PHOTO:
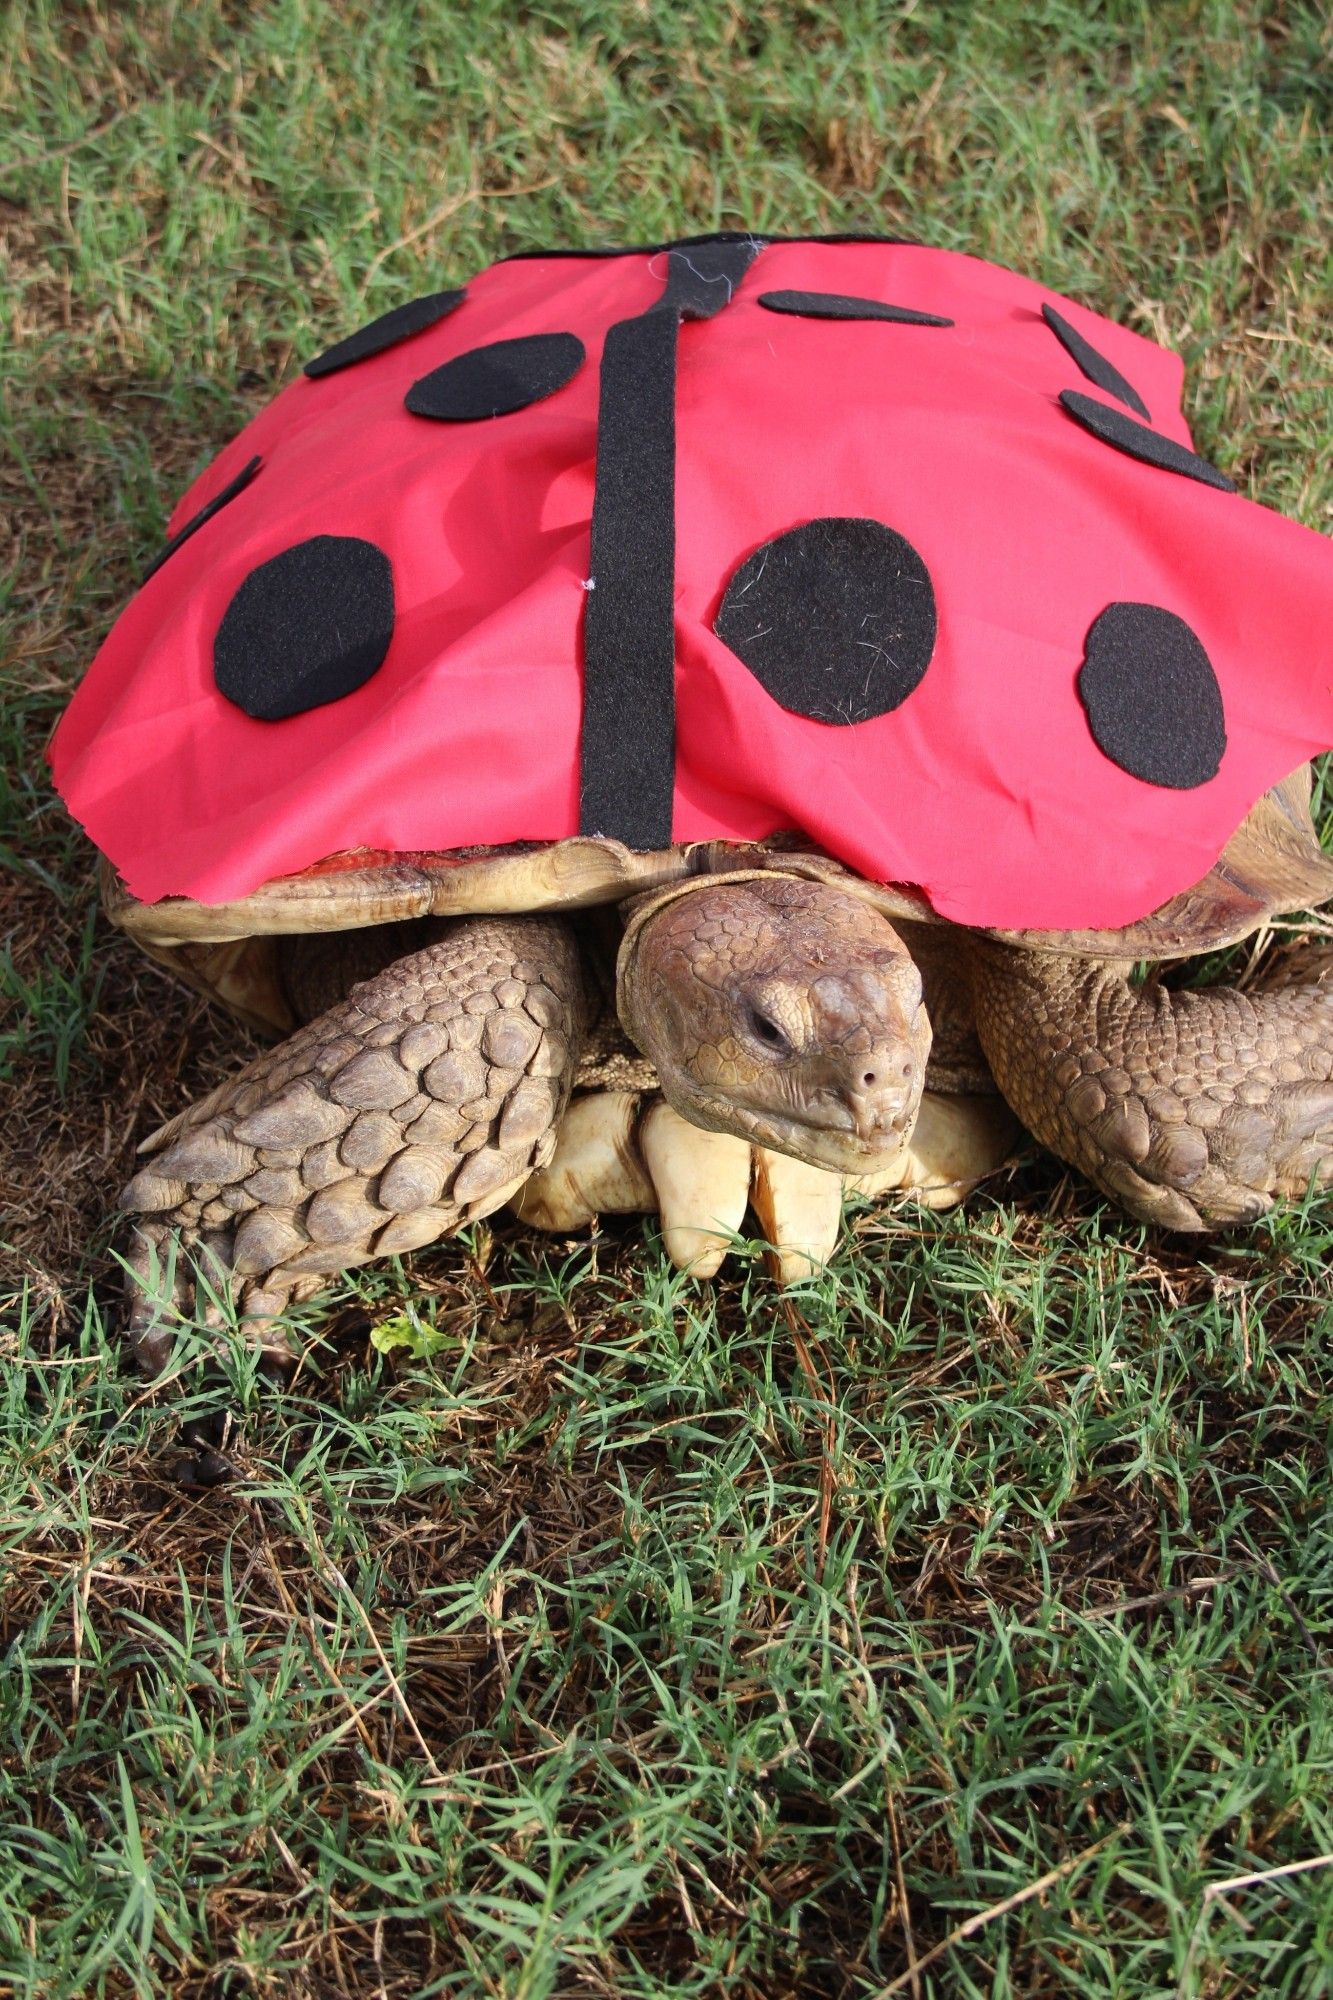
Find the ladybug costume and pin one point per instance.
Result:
(877, 542)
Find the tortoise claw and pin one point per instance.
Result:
(172, 1284)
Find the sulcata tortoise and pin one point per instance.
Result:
(748, 684)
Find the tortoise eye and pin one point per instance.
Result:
(766, 1030)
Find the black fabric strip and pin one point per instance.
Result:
(629, 642)
(1094, 365)
(837, 305)
(719, 236)
(702, 278)
(628, 751)
(206, 513)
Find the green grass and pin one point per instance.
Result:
(649, 1638)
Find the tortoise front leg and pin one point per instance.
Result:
(1196, 1110)
(418, 1103)
(625, 1152)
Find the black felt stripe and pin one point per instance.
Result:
(386, 331)
(206, 513)
(628, 747)
(307, 627)
(496, 380)
(1094, 365)
(1115, 428)
(629, 643)
(702, 278)
(838, 305)
(1153, 702)
(835, 619)
(628, 752)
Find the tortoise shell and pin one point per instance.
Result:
(874, 544)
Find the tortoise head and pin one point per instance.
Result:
(788, 1012)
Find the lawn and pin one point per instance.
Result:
(958, 1624)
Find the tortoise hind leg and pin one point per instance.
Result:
(1194, 1109)
(417, 1104)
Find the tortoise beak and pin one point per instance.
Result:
(882, 1114)
(877, 1105)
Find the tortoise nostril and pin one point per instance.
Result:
(869, 1078)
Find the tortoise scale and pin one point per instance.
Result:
(787, 603)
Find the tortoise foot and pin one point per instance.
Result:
(627, 1152)
(419, 1103)
(623, 1152)
(178, 1277)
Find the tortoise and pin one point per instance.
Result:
(518, 710)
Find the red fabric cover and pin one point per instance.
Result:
(984, 787)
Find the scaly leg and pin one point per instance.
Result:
(418, 1103)
(1196, 1110)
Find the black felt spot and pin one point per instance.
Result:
(834, 305)
(1152, 697)
(1094, 365)
(496, 380)
(206, 513)
(702, 278)
(836, 618)
(1114, 427)
(386, 331)
(306, 627)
